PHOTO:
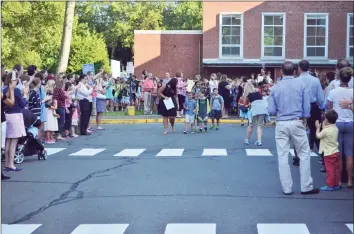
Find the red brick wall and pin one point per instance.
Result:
(294, 25)
(161, 53)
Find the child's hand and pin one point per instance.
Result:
(317, 123)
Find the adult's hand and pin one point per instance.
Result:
(345, 103)
(13, 84)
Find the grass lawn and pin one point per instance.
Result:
(122, 113)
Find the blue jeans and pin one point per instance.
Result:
(345, 138)
(61, 121)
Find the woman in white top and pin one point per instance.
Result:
(345, 119)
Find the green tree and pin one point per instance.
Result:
(31, 32)
(184, 16)
(87, 47)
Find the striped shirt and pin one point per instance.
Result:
(34, 102)
(60, 97)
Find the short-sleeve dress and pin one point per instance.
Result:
(168, 92)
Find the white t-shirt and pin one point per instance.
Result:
(335, 96)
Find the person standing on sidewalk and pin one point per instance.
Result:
(316, 99)
(290, 109)
(148, 85)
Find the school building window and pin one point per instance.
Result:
(273, 35)
(231, 35)
(350, 37)
(316, 35)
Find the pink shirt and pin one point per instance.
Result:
(148, 85)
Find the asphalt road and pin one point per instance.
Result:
(205, 183)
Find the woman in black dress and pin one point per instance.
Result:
(224, 91)
(165, 92)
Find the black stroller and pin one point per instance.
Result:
(30, 145)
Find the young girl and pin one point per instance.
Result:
(244, 110)
(138, 94)
(68, 89)
(75, 119)
(51, 125)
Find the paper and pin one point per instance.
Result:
(168, 103)
(190, 84)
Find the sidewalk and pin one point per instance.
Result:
(142, 119)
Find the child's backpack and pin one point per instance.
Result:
(218, 98)
(124, 92)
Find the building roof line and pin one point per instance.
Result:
(170, 32)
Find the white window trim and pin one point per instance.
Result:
(305, 34)
(348, 23)
(284, 33)
(220, 35)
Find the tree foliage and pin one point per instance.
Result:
(32, 31)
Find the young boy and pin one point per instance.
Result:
(329, 147)
(124, 93)
(190, 107)
(203, 108)
(216, 106)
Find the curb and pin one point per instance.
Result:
(157, 120)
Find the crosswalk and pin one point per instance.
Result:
(173, 228)
(205, 152)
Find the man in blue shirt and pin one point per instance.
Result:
(290, 102)
(314, 88)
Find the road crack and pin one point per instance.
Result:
(64, 197)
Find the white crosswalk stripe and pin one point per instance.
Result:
(214, 152)
(51, 151)
(100, 228)
(282, 228)
(130, 153)
(87, 152)
(258, 152)
(350, 226)
(191, 228)
(19, 228)
(170, 152)
(171, 228)
(312, 154)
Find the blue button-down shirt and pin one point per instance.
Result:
(289, 99)
(313, 86)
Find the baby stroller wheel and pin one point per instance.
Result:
(42, 155)
(19, 157)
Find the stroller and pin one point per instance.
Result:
(30, 145)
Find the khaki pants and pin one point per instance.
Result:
(147, 102)
(287, 132)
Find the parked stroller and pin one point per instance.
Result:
(30, 145)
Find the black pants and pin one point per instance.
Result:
(85, 115)
(315, 115)
(181, 100)
(68, 119)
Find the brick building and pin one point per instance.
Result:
(238, 38)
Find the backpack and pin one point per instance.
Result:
(124, 92)
(218, 98)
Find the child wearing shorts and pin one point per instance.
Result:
(203, 108)
(329, 147)
(190, 107)
(217, 105)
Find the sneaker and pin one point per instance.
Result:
(206, 128)
(185, 132)
(212, 127)
(242, 125)
(258, 143)
(326, 188)
(217, 127)
(246, 141)
(337, 188)
(200, 130)
(192, 132)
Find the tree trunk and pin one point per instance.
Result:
(66, 38)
